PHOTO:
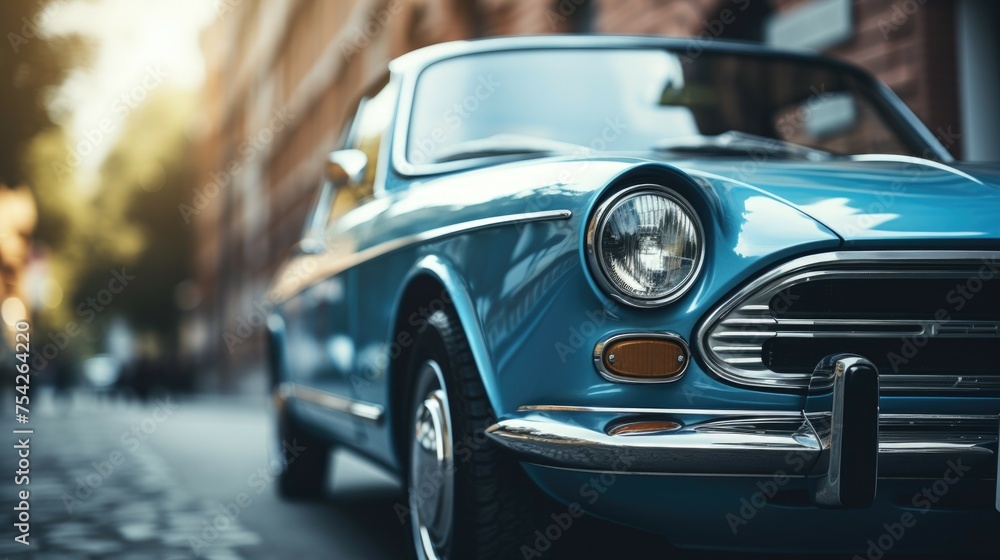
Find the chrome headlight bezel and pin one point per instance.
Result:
(595, 257)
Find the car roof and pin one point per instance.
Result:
(421, 58)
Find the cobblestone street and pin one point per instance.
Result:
(117, 481)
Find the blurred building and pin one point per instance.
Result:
(282, 76)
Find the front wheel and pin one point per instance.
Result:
(466, 499)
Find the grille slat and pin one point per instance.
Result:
(928, 321)
(743, 349)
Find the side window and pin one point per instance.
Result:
(370, 128)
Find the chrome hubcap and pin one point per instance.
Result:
(432, 485)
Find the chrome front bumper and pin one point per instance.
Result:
(844, 453)
(732, 442)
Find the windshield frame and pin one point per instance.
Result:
(911, 129)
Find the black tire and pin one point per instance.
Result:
(305, 460)
(496, 507)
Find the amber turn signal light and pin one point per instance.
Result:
(642, 358)
(644, 427)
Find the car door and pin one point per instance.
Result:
(339, 228)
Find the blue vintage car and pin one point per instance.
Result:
(738, 297)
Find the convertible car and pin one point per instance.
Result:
(734, 296)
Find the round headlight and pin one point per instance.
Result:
(645, 246)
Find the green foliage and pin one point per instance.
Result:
(131, 219)
(30, 67)
(145, 177)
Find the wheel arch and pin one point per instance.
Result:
(431, 282)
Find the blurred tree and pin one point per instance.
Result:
(130, 221)
(62, 220)
(145, 177)
(31, 66)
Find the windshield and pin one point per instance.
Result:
(557, 101)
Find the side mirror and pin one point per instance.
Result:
(311, 246)
(346, 167)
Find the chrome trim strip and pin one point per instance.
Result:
(618, 472)
(801, 269)
(896, 158)
(675, 411)
(952, 383)
(865, 328)
(920, 448)
(483, 223)
(927, 418)
(387, 247)
(331, 262)
(365, 411)
(593, 240)
(885, 419)
(598, 356)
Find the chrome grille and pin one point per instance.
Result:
(905, 311)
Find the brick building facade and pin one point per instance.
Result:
(282, 77)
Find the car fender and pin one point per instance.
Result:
(446, 273)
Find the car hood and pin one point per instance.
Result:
(875, 198)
